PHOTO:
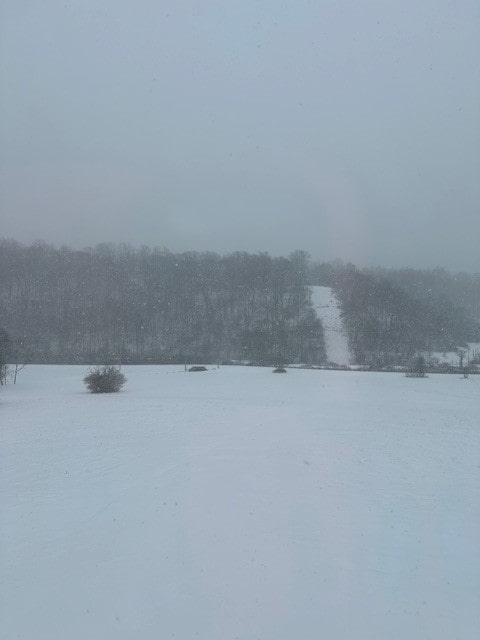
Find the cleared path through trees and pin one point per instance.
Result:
(327, 309)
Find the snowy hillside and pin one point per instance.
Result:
(239, 504)
(326, 305)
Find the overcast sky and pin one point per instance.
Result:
(349, 129)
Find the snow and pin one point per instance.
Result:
(327, 308)
(239, 504)
(471, 351)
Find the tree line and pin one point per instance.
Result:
(117, 303)
(390, 315)
(148, 305)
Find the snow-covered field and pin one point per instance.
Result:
(327, 309)
(240, 504)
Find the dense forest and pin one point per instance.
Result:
(390, 315)
(147, 305)
(118, 303)
(437, 286)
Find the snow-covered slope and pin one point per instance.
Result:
(326, 305)
(239, 504)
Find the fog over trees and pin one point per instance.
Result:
(149, 305)
(392, 314)
(118, 303)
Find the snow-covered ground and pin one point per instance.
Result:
(471, 351)
(327, 307)
(240, 504)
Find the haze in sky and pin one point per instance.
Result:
(349, 129)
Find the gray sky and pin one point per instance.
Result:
(349, 129)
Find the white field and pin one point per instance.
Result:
(327, 308)
(240, 504)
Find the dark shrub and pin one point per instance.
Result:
(106, 379)
(418, 369)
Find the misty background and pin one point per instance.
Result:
(347, 129)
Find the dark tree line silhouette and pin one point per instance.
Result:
(145, 305)
(117, 303)
(388, 320)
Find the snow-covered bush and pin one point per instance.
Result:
(107, 379)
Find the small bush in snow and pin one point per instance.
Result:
(418, 369)
(106, 379)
